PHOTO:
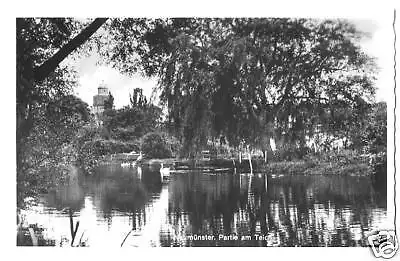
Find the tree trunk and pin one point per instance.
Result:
(41, 72)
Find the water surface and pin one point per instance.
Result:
(206, 209)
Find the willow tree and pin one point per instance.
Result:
(235, 77)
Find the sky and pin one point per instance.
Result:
(120, 85)
(379, 44)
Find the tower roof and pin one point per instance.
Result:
(103, 85)
(102, 89)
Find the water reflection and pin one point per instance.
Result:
(135, 205)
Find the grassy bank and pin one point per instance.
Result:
(343, 162)
(320, 168)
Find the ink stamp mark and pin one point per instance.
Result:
(383, 244)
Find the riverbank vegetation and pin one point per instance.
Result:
(298, 91)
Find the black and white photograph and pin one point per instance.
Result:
(205, 131)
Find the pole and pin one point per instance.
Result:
(249, 155)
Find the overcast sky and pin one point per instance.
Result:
(120, 85)
(379, 45)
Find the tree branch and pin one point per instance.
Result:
(312, 98)
(41, 72)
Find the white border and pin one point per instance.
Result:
(348, 9)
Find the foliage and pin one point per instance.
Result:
(247, 79)
(375, 137)
(92, 151)
(137, 121)
(37, 41)
(100, 147)
(289, 151)
(47, 150)
(89, 142)
(340, 157)
(124, 134)
(154, 145)
(109, 103)
(55, 126)
(172, 143)
(334, 164)
(47, 115)
(235, 76)
(137, 99)
(376, 131)
(242, 78)
(42, 44)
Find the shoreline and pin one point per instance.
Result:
(293, 167)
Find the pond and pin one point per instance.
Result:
(135, 207)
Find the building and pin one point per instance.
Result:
(98, 101)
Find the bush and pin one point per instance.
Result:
(289, 152)
(378, 162)
(154, 145)
(100, 147)
(341, 157)
(104, 133)
(125, 134)
(91, 152)
(173, 144)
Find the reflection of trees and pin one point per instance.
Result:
(112, 189)
(306, 216)
(289, 211)
(208, 200)
(124, 192)
(297, 210)
(71, 196)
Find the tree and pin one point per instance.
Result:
(48, 117)
(132, 122)
(155, 146)
(375, 135)
(230, 77)
(137, 99)
(233, 77)
(42, 44)
(107, 116)
(109, 103)
(48, 149)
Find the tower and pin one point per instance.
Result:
(99, 99)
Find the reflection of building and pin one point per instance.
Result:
(99, 99)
